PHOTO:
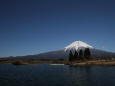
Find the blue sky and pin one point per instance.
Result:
(36, 26)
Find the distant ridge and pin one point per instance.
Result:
(64, 52)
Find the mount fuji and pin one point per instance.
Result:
(77, 45)
(64, 53)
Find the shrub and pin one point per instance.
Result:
(16, 63)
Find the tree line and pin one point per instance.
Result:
(80, 56)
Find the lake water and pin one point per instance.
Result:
(56, 75)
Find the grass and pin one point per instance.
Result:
(95, 62)
(34, 62)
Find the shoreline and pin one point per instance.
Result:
(94, 63)
(65, 62)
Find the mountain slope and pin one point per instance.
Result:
(64, 53)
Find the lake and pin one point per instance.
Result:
(56, 75)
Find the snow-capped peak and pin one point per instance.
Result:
(77, 45)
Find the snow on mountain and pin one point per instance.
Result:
(77, 45)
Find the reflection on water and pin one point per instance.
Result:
(48, 75)
(93, 75)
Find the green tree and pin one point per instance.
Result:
(76, 56)
(71, 56)
(81, 56)
(87, 54)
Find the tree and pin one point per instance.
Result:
(87, 54)
(76, 56)
(81, 56)
(71, 56)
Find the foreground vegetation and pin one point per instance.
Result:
(66, 62)
(80, 56)
(94, 62)
(32, 62)
(84, 58)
